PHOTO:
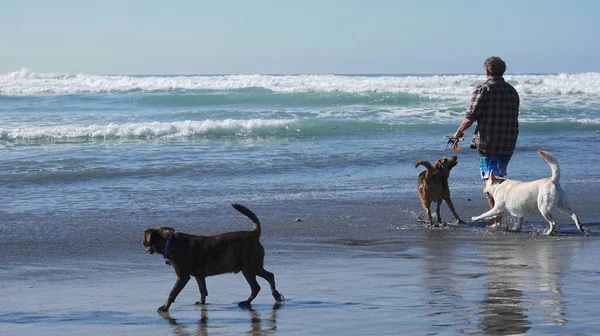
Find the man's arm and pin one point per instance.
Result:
(466, 123)
(473, 113)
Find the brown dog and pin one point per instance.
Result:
(433, 186)
(202, 256)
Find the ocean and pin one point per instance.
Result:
(89, 162)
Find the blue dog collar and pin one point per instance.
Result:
(165, 251)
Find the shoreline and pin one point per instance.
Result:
(284, 222)
(349, 267)
(441, 281)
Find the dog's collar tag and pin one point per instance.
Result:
(165, 252)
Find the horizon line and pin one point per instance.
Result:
(303, 74)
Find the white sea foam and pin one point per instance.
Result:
(460, 87)
(540, 119)
(585, 121)
(146, 130)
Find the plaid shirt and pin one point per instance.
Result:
(495, 107)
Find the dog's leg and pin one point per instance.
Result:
(551, 222)
(563, 206)
(203, 291)
(429, 218)
(438, 206)
(426, 207)
(575, 219)
(494, 212)
(518, 225)
(451, 206)
(179, 284)
(271, 280)
(254, 287)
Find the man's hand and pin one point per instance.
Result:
(464, 125)
(457, 135)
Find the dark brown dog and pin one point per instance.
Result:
(202, 256)
(433, 186)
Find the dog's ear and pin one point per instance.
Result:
(148, 236)
(165, 231)
(439, 164)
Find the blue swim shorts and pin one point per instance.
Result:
(496, 163)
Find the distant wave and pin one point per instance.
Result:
(149, 130)
(210, 129)
(215, 129)
(28, 82)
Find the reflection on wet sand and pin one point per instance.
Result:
(502, 309)
(552, 266)
(524, 280)
(258, 325)
(445, 301)
(180, 329)
(519, 276)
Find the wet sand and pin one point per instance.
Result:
(347, 268)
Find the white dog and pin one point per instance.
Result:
(522, 198)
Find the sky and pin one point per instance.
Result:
(298, 36)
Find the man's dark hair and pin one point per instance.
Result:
(495, 66)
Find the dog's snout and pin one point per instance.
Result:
(455, 157)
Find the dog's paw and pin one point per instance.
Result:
(278, 297)
(244, 304)
(456, 222)
(163, 308)
(586, 232)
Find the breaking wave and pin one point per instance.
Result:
(586, 86)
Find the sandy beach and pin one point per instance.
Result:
(383, 274)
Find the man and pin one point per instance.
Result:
(495, 107)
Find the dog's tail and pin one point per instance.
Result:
(553, 165)
(427, 165)
(248, 214)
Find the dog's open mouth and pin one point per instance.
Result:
(149, 249)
